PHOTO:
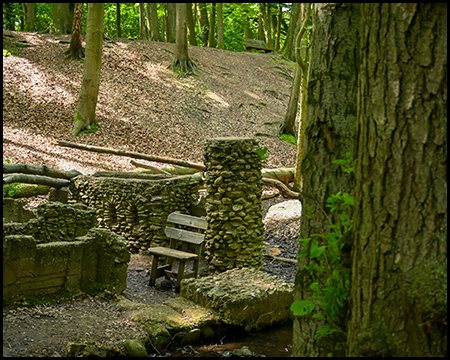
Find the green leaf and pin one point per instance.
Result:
(349, 199)
(324, 330)
(340, 162)
(302, 307)
(316, 250)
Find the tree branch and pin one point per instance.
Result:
(35, 179)
(184, 163)
(284, 190)
(39, 170)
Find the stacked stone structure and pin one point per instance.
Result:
(136, 208)
(233, 204)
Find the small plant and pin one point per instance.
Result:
(330, 279)
(94, 127)
(262, 154)
(289, 138)
(9, 190)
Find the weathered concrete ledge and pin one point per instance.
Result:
(174, 321)
(245, 297)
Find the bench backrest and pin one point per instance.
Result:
(186, 236)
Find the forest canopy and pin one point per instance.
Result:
(250, 20)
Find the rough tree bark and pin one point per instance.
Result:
(329, 134)
(399, 256)
(87, 100)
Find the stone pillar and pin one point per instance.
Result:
(233, 204)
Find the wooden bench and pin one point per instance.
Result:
(250, 44)
(184, 246)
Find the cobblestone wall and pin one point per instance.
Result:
(137, 209)
(233, 204)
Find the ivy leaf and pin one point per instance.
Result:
(302, 307)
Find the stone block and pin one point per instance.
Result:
(245, 297)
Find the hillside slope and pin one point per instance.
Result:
(142, 106)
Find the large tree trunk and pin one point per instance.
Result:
(329, 134)
(399, 257)
(28, 10)
(62, 18)
(87, 101)
(191, 26)
(181, 60)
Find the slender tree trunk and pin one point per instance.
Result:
(268, 26)
(262, 10)
(277, 41)
(191, 25)
(294, 25)
(220, 40)
(171, 22)
(203, 24)
(329, 134)
(118, 29)
(87, 101)
(181, 58)
(76, 51)
(245, 24)
(153, 16)
(142, 33)
(212, 26)
(399, 255)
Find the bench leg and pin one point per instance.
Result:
(154, 272)
(180, 275)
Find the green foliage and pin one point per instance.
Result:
(289, 138)
(262, 154)
(330, 280)
(10, 189)
(94, 127)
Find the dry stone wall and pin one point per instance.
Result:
(136, 208)
(58, 249)
(233, 204)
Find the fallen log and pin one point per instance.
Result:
(171, 170)
(39, 170)
(146, 166)
(284, 190)
(134, 155)
(35, 179)
(292, 261)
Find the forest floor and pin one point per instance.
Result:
(142, 107)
